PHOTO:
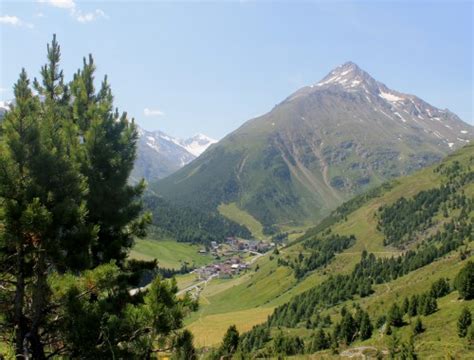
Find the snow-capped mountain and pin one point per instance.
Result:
(320, 146)
(159, 154)
(197, 144)
(401, 112)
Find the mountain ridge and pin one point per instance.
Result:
(317, 148)
(160, 154)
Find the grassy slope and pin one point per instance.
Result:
(232, 212)
(272, 285)
(169, 253)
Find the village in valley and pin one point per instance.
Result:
(235, 255)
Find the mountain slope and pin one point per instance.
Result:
(159, 155)
(317, 148)
(248, 300)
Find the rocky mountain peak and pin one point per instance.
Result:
(349, 76)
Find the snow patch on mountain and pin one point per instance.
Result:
(197, 144)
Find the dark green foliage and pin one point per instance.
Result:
(413, 307)
(68, 219)
(254, 339)
(395, 316)
(407, 350)
(405, 305)
(381, 320)
(184, 348)
(230, 342)
(464, 321)
(319, 341)
(464, 281)
(401, 221)
(347, 328)
(440, 288)
(370, 270)
(287, 345)
(187, 224)
(365, 327)
(427, 304)
(352, 326)
(322, 251)
(418, 327)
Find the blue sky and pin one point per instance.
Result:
(189, 67)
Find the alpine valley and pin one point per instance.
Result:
(317, 148)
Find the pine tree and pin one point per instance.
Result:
(109, 142)
(184, 348)
(18, 150)
(413, 307)
(348, 328)
(418, 327)
(406, 305)
(407, 351)
(63, 296)
(366, 328)
(395, 316)
(430, 305)
(230, 341)
(464, 281)
(320, 341)
(464, 321)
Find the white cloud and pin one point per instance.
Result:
(14, 21)
(75, 12)
(62, 4)
(153, 112)
(88, 17)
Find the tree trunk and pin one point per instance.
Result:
(40, 294)
(19, 303)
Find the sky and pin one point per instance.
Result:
(207, 67)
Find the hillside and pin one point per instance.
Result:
(319, 147)
(294, 286)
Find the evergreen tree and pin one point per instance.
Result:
(184, 348)
(44, 213)
(407, 351)
(464, 281)
(348, 328)
(320, 341)
(405, 305)
(58, 158)
(365, 328)
(413, 307)
(230, 342)
(464, 321)
(440, 288)
(395, 316)
(109, 142)
(429, 306)
(418, 327)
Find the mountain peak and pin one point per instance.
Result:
(349, 75)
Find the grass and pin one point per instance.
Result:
(208, 330)
(169, 253)
(272, 285)
(232, 212)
